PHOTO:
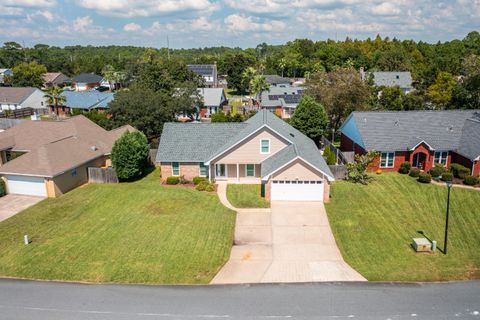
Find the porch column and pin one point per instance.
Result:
(238, 172)
(210, 172)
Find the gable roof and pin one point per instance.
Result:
(15, 95)
(57, 146)
(403, 79)
(282, 95)
(446, 130)
(202, 142)
(54, 77)
(470, 141)
(211, 96)
(274, 79)
(88, 78)
(87, 99)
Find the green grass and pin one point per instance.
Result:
(232, 93)
(246, 196)
(374, 226)
(136, 232)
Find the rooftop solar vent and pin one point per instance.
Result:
(292, 135)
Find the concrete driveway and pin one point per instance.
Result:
(11, 204)
(291, 242)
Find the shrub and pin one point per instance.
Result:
(182, 180)
(3, 188)
(470, 180)
(437, 171)
(201, 186)
(379, 171)
(447, 176)
(414, 173)
(130, 155)
(357, 171)
(405, 167)
(210, 187)
(173, 180)
(459, 171)
(424, 178)
(197, 180)
(329, 156)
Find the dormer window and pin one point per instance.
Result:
(265, 146)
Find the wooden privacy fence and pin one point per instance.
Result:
(16, 114)
(340, 158)
(102, 175)
(152, 155)
(339, 171)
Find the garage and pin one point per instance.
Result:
(32, 186)
(297, 190)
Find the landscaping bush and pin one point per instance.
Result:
(424, 178)
(210, 187)
(182, 180)
(173, 180)
(405, 167)
(414, 173)
(437, 171)
(470, 180)
(459, 171)
(130, 155)
(3, 188)
(329, 156)
(197, 180)
(447, 176)
(201, 186)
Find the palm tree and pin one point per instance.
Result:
(248, 76)
(54, 97)
(259, 84)
(109, 74)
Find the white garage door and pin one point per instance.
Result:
(297, 190)
(33, 186)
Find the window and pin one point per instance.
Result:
(265, 146)
(203, 169)
(74, 172)
(386, 159)
(441, 157)
(175, 169)
(250, 170)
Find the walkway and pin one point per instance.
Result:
(291, 242)
(11, 204)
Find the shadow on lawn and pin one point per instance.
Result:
(429, 239)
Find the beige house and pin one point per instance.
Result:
(49, 158)
(264, 150)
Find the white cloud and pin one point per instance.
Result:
(81, 24)
(260, 6)
(10, 11)
(242, 23)
(386, 8)
(49, 16)
(29, 3)
(146, 8)
(132, 27)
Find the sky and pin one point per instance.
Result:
(233, 23)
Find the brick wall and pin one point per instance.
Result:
(187, 170)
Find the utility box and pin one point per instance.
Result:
(421, 245)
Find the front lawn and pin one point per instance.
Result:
(374, 226)
(136, 232)
(246, 196)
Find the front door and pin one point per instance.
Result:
(419, 160)
(220, 171)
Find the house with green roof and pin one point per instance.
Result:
(262, 150)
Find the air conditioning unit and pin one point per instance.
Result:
(421, 245)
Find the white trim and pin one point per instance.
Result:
(245, 138)
(423, 141)
(441, 157)
(329, 178)
(269, 146)
(200, 169)
(246, 171)
(175, 175)
(386, 163)
(226, 170)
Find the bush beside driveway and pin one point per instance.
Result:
(374, 226)
(137, 232)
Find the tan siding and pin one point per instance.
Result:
(66, 182)
(249, 150)
(297, 170)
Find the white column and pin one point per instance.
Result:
(238, 172)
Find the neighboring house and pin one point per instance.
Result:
(85, 101)
(422, 138)
(402, 79)
(262, 150)
(14, 98)
(213, 101)
(49, 158)
(275, 80)
(281, 99)
(51, 79)
(207, 71)
(87, 81)
(5, 73)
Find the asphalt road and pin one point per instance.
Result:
(47, 300)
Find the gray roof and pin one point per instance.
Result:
(282, 95)
(212, 97)
(470, 141)
(8, 123)
(201, 142)
(15, 95)
(403, 79)
(88, 78)
(88, 99)
(276, 79)
(403, 130)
